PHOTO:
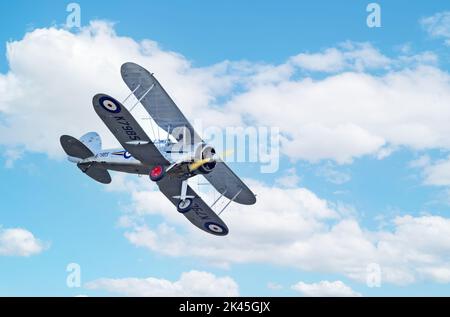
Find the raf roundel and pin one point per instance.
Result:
(109, 104)
(216, 228)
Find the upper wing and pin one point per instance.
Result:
(229, 184)
(157, 102)
(200, 215)
(126, 130)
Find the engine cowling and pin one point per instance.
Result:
(205, 151)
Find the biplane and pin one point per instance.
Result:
(169, 162)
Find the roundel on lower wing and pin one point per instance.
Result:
(126, 155)
(215, 228)
(109, 104)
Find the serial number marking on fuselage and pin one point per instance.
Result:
(102, 154)
(126, 126)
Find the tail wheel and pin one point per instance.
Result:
(157, 173)
(184, 205)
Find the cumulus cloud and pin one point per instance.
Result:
(366, 104)
(437, 173)
(293, 227)
(325, 289)
(53, 75)
(332, 175)
(350, 56)
(345, 115)
(422, 161)
(190, 284)
(12, 155)
(289, 180)
(434, 172)
(19, 242)
(438, 25)
(349, 115)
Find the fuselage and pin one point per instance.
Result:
(121, 160)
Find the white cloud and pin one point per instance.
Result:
(423, 160)
(340, 117)
(190, 284)
(349, 115)
(53, 75)
(331, 60)
(439, 274)
(289, 180)
(19, 242)
(438, 25)
(295, 228)
(332, 175)
(350, 56)
(437, 173)
(325, 289)
(434, 173)
(12, 155)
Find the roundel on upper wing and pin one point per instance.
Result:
(216, 228)
(109, 104)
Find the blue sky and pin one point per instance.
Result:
(77, 220)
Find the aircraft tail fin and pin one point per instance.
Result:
(75, 148)
(92, 141)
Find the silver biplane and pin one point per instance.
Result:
(169, 162)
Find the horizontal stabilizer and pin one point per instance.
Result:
(99, 174)
(74, 147)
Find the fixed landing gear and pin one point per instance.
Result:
(185, 203)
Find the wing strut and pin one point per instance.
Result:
(123, 102)
(221, 195)
(143, 96)
(184, 188)
(231, 200)
(151, 125)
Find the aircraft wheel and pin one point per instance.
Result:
(157, 173)
(184, 205)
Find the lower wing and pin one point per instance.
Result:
(200, 215)
(230, 185)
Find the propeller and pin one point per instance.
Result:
(197, 164)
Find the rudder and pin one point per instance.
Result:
(92, 141)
